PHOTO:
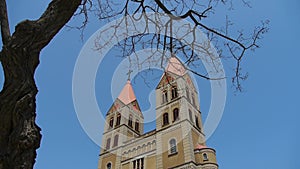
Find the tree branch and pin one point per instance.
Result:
(196, 13)
(204, 76)
(5, 32)
(38, 33)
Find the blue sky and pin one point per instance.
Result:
(259, 126)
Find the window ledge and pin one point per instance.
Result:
(164, 125)
(173, 154)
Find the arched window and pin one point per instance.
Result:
(130, 121)
(173, 146)
(111, 122)
(187, 94)
(205, 157)
(191, 115)
(165, 119)
(176, 114)
(165, 96)
(174, 92)
(137, 125)
(108, 166)
(197, 121)
(118, 119)
(116, 140)
(108, 144)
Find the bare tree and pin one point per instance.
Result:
(232, 46)
(19, 134)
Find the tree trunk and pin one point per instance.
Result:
(19, 134)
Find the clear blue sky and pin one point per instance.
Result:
(259, 126)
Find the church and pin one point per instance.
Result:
(177, 142)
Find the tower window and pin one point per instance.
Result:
(197, 121)
(205, 157)
(165, 96)
(165, 119)
(111, 122)
(108, 166)
(191, 116)
(173, 146)
(118, 119)
(137, 125)
(130, 121)
(108, 144)
(116, 140)
(174, 92)
(176, 114)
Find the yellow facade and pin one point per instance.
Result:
(178, 140)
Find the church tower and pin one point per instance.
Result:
(178, 124)
(124, 121)
(177, 142)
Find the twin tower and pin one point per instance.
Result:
(178, 142)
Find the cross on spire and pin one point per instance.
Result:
(129, 73)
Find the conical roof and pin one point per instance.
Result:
(127, 94)
(175, 66)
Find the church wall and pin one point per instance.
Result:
(174, 159)
(150, 162)
(138, 147)
(126, 166)
(197, 137)
(106, 159)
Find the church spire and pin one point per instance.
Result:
(127, 94)
(175, 66)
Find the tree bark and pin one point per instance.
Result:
(19, 134)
